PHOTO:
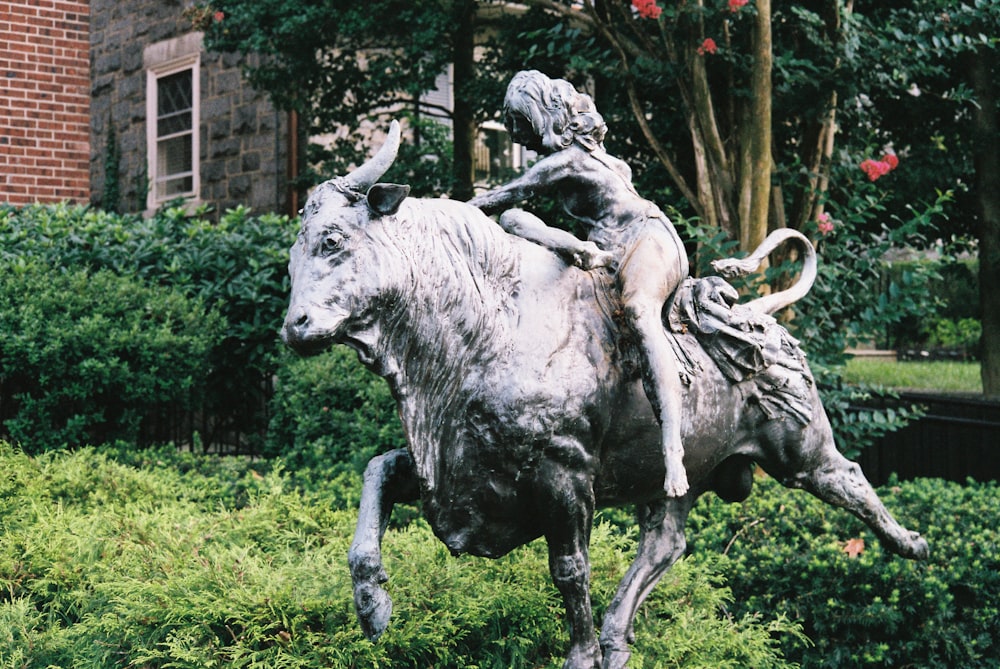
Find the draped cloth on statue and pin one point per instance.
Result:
(745, 344)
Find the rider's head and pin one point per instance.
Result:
(550, 114)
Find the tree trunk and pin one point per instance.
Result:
(755, 186)
(464, 128)
(986, 147)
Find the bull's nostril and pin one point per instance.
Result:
(301, 320)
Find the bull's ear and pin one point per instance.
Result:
(385, 199)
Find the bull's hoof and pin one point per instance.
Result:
(616, 658)
(917, 549)
(374, 608)
(584, 657)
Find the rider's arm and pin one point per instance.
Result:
(580, 253)
(542, 175)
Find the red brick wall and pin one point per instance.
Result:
(44, 101)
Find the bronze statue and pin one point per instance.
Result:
(553, 118)
(523, 403)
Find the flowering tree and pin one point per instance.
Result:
(939, 100)
(772, 101)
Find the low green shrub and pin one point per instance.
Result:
(955, 286)
(788, 556)
(152, 568)
(86, 356)
(182, 561)
(962, 334)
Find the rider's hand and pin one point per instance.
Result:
(589, 257)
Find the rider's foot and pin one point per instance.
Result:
(675, 483)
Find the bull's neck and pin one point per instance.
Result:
(453, 319)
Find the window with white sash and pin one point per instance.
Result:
(172, 122)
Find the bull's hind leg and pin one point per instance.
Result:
(661, 543)
(818, 467)
(388, 479)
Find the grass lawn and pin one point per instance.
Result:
(958, 377)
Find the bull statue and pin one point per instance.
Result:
(523, 404)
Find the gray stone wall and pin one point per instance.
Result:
(244, 139)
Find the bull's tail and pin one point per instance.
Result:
(768, 304)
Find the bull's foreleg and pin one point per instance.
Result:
(661, 543)
(389, 478)
(818, 467)
(567, 502)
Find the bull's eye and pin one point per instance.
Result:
(332, 243)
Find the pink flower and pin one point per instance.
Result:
(879, 168)
(734, 5)
(874, 168)
(824, 223)
(708, 46)
(647, 9)
(218, 16)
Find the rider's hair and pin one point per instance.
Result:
(558, 113)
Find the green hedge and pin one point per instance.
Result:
(237, 265)
(956, 324)
(157, 559)
(104, 564)
(87, 356)
(787, 557)
(330, 413)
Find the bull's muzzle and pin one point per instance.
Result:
(296, 330)
(308, 333)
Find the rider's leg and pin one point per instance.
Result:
(647, 283)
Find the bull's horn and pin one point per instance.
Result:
(366, 175)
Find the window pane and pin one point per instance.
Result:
(173, 93)
(174, 187)
(168, 125)
(494, 155)
(174, 156)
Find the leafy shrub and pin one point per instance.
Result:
(86, 356)
(963, 334)
(328, 411)
(238, 265)
(149, 569)
(787, 556)
(955, 286)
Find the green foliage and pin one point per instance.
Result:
(963, 334)
(861, 414)
(344, 65)
(955, 286)
(425, 164)
(329, 412)
(788, 556)
(86, 356)
(237, 265)
(104, 564)
(849, 303)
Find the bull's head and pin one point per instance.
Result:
(331, 264)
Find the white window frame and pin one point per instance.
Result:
(161, 60)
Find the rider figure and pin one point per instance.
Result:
(551, 117)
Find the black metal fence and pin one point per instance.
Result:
(958, 438)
